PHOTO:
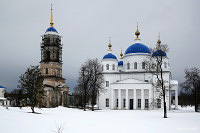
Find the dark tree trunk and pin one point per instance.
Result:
(195, 100)
(92, 107)
(163, 88)
(85, 96)
(32, 108)
(165, 107)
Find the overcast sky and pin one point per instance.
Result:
(86, 25)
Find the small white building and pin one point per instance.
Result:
(2, 99)
(128, 85)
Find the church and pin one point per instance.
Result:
(56, 91)
(128, 85)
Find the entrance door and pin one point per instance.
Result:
(131, 104)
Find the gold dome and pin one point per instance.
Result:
(137, 33)
(110, 45)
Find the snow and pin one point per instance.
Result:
(2, 98)
(16, 120)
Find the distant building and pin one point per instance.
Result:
(3, 100)
(128, 85)
(51, 68)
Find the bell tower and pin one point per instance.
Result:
(51, 67)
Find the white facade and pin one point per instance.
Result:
(3, 101)
(128, 85)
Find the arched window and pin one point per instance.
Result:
(107, 67)
(165, 64)
(113, 67)
(143, 65)
(128, 66)
(135, 65)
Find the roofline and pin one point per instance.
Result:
(124, 72)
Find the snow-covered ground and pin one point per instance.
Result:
(15, 120)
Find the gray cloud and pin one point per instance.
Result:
(86, 25)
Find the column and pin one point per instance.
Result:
(63, 100)
(127, 99)
(119, 99)
(112, 99)
(170, 99)
(150, 98)
(142, 99)
(47, 99)
(176, 98)
(134, 99)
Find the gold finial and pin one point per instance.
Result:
(51, 17)
(110, 45)
(159, 42)
(137, 33)
(121, 54)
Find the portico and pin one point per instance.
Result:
(127, 97)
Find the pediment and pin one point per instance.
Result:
(130, 81)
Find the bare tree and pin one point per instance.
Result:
(85, 75)
(192, 84)
(90, 82)
(31, 84)
(155, 66)
(96, 81)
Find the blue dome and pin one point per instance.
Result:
(138, 48)
(2, 86)
(158, 53)
(51, 29)
(120, 63)
(109, 56)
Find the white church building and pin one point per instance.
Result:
(128, 85)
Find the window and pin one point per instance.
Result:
(135, 65)
(57, 55)
(124, 103)
(102, 67)
(117, 103)
(48, 56)
(128, 66)
(107, 67)
(143, 65)
(146, 103)
(165, 64)
(46, 70)
(107, 83)
(139, 103)
(158, 103)
(107, 102)
(113, 67)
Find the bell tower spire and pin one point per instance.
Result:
(51, 17)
